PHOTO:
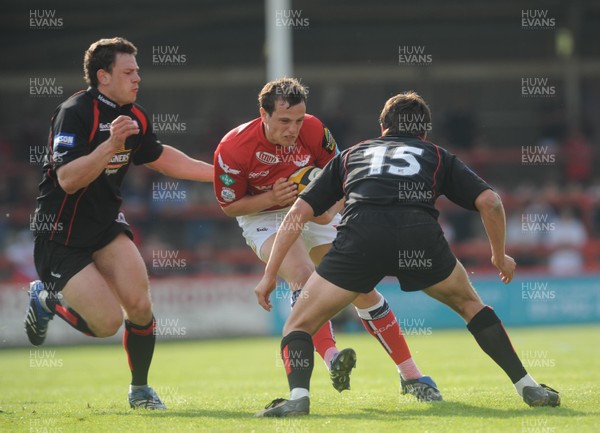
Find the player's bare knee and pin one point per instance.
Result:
(139, 310)
(299, 326)
(299, 276)
(466, 306)
(108, 325)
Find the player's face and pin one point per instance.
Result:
(283, 126)
(122, 84)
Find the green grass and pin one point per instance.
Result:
(217, 386)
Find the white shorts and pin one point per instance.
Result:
(257, 228)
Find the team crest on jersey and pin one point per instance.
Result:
(329, 143)
(267, 158)
(228, 194)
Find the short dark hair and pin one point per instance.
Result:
(407, 114)
(289, 90)
(101, 55)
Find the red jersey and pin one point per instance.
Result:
(246, 163)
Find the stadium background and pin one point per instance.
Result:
(514, 88)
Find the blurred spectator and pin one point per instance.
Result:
(460, 127)
(566, 240)
(578, 158)
(553, 127)
(20, 255)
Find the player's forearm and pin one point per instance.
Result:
(248, 205)
(174, 163)
(494, 220)
(82, 171)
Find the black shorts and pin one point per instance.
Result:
(372, 244)
(56, 263)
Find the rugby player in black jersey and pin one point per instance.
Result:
(390, 185)
(90, 270)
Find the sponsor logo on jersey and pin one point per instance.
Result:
(226, 179)
(264, 187)
(227, 194)
(121, 218)
(255, 174)
(262, 229)
(117, 161)
(225, 167)
(63, 140)
(104, 126)
(267, 158)
(329, 143)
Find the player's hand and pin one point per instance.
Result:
(121, 128)
(506, 265)
(263, 291)
(284, 192)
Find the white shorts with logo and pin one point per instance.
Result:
(257, 228)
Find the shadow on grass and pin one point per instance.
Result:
(443, 409)
(455, 409)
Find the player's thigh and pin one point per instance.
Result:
(319, 302)
(457, 292)
(296, 267)
(88, 293)
(124, 269)
(318, 252)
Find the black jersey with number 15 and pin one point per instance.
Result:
(394, 173)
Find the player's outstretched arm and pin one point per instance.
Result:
(175, 163)
(489, 205)
(82, 171)
(288, 233)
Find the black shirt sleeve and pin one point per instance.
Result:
(327, 188)
(462, 186)
(150, 147)
(70, 136)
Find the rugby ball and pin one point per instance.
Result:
(304, 176)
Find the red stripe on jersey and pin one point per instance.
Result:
(140, 115)
(66, 314)
(96, 120)
(62, 206)
(437, 149)
(285, 353)
(74, 213)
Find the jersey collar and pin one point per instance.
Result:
(400, 135)
(106, 101)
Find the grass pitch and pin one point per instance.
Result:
(217, 386)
